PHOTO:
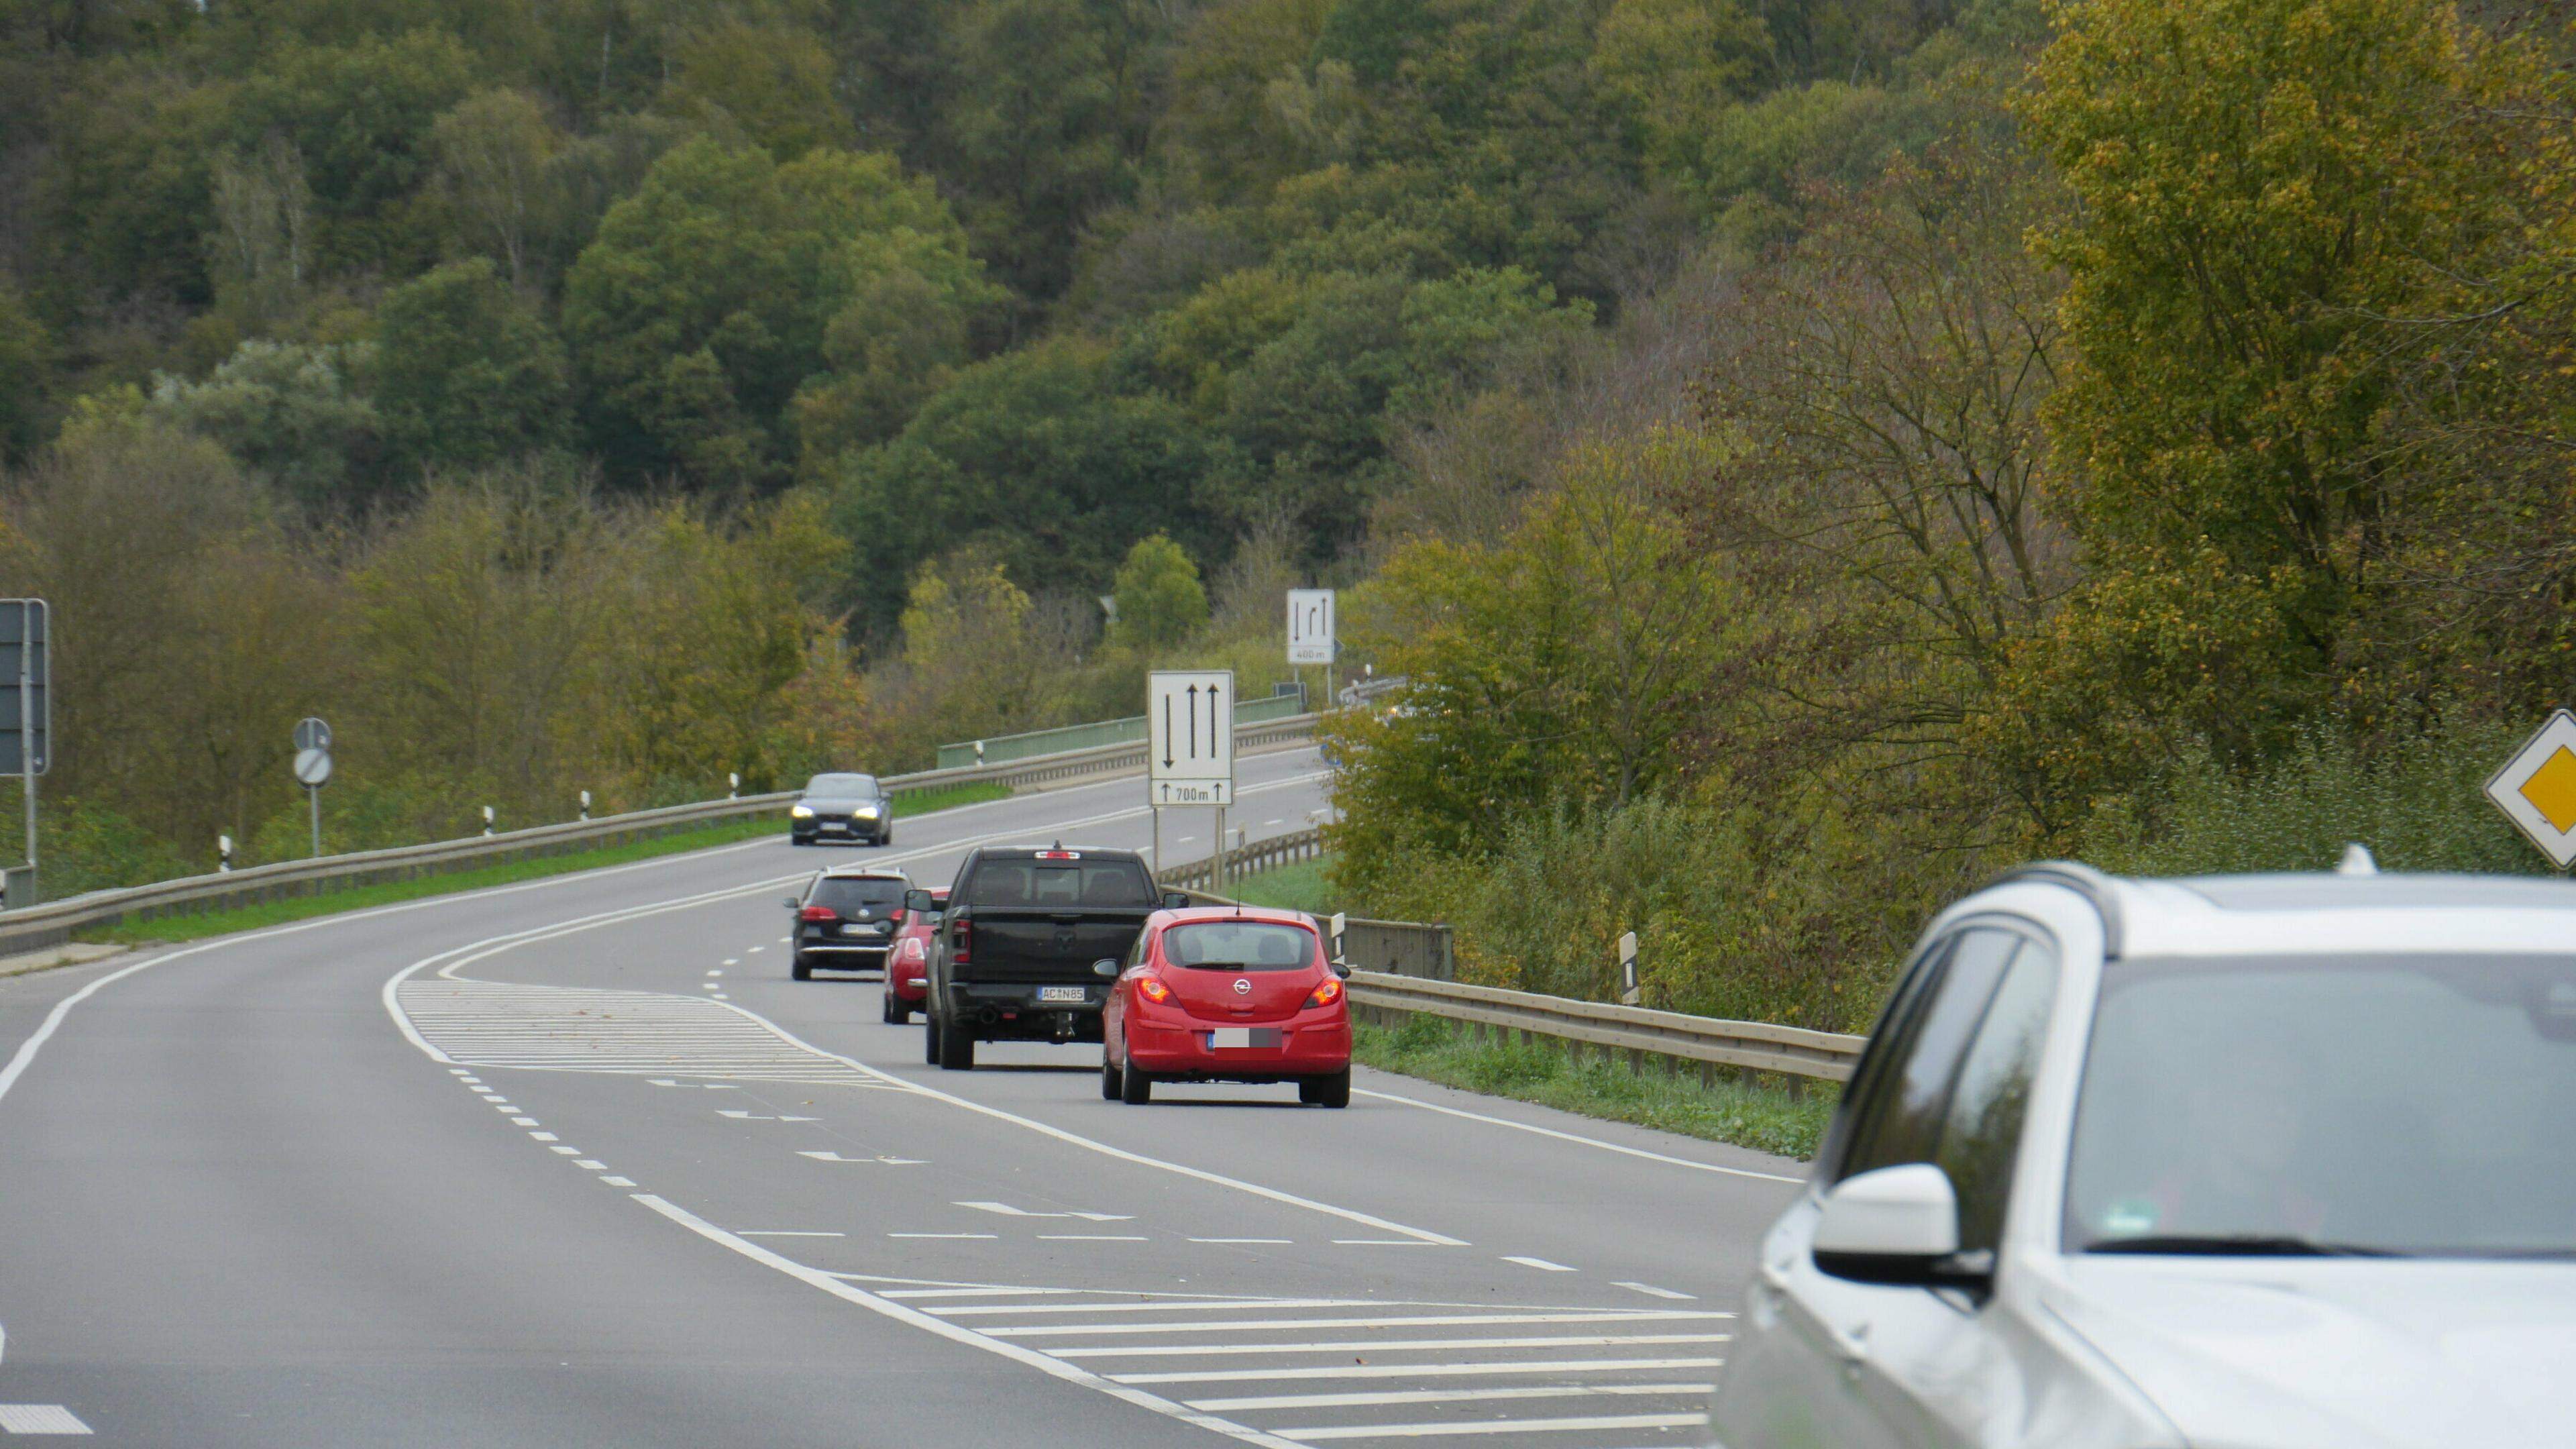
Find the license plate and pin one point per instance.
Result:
(1060, 993)
(855, 929)
(1243, 1036)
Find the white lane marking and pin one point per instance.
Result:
(1417, 1320)
(829, 1156)
(619, 1181)
(1541, 1264)
(1008, 1211)
(565, 1151)
(715, 971)
(730, 961)
(1592, 1424)
(543, 1136)
(40, 1419)
(756, 950)
(961, 1292)
(588, 1164)
(1276, 1242)
(461, 1074)
(1420, 1370)
(900, 1313)
(1447, 1396)
(523, 1121)
(1091, 1238)
(1392, 1243)
(1389, 1345)
(944, 1235)
(1651, 1291)
(720, 996)
(786, 1233)
(1202, 1305)
(746, 1115)
(1575, 1137)
(4, 1341)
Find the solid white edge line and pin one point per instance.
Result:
(1446, 1428)
(1026, 1357)
(1575, 1137)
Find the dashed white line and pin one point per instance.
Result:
(785, 1233)
(1420, 1370)
(1416, 1320)
(543, 1136)
(1443, 1429)
(943, 1235)
(1576, 1137)
(1270, 1242)
(1391, 1243)
(1444, 1396)
(591, 1165)
(1651, 1291)
(40, 1419)
(523, 1121)
(619, 1181)
(1541, 1264)
(565, 1151)
(1091, 1238)
(1413, 1345)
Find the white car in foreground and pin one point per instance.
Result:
(2249, 1162)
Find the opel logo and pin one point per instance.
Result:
(1243, 986)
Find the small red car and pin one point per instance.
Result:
(1221, 994)
(907, 970)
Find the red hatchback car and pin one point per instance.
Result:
(1217, 994)
(907, 972)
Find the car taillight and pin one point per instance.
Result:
(818, 913)
(912, 951)
(961, 943)
(1325, 993)
(1152, 989)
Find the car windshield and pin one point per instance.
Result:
(2418, 1105)
(839, 785)
(1045, 883)
(1239, 945)
(879, 897)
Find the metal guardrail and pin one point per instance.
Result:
(52, 923)
(1748, 1045)
(1407, 948)
(1003, 749)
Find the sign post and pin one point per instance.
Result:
(2536, 789)
(1629, 991)
(1189, 748)
(313, 769)
(1310, 633)
(26, 744)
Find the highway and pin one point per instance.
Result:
(574, 1162)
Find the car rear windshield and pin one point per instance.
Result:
(2415, 1104)
(1063, 884)
(841, 785)
(846, 896)
(1239, 945)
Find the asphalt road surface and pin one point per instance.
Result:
(575, 1163)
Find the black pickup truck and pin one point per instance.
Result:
(1014, 958)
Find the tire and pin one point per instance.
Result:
(800, 840)
(800, 970)
(929, 1039)
(1113, 1085)
(1135, 1088)
(956, 1049)
(895, 1012)
(1332, 1091)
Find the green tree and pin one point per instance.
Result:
(728, 282)
(1160, 599)
(495, 152)
(26, 376)
(289, 412)
(775, 82)
(361, 117)
(465, 372)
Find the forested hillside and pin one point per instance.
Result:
(1807, 453)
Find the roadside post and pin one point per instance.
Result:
(487, 820)
(733, 784)
(1629, 991)
(2536, 789)
(26, 727)
(223, 854)
(313, 769)
(1189, 749)
(1341, 919)
(585, 804)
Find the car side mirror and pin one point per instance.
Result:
(1106, 969)
(1176, 900)
(918, 901)
(1341, 969)
(1890, 1225)
(793, 903)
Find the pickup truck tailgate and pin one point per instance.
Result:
(1027, 944)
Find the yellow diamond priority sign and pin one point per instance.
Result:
(2536, 789)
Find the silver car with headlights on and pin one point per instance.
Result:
(2241, 1162)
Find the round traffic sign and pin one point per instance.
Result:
(312, 767)
(312, 734)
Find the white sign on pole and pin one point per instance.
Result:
(1189, 736)
(2536, 789)
(1310, 626)
(312, 768)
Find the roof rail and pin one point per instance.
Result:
(2085, 881)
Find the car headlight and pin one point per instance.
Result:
(867, 812)
(800, 812)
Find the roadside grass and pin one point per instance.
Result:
(1745, 1112)
(1298, 887)
(197, 925)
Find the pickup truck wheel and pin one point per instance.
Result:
(957, 1049)
(929, 1039)
(1135, 1088)
(894, 1011)
(798, 969)
(1112, 1087)
(1332, 1091)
